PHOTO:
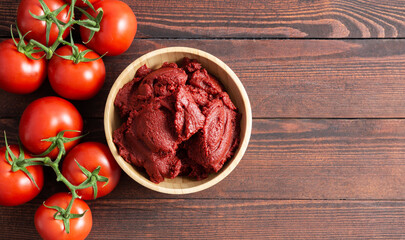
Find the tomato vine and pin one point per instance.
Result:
(50, 17)
(20, 163)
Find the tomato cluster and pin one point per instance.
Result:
(83, 75)
(43, 119)
(50, 127)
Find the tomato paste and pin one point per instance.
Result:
(177, 121)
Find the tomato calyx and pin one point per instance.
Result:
(77, 56)
(49, 17)
(92, 23)
(22, 47)
(65, 215)
(92, 179)
(20, 163)
(58, 142)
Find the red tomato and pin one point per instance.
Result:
(79, 81)
(18, 73)
(46, 117)
(80, 3)
(117, 28)
(50, 228)
(90, 155)
(37, 27)
(16, 187)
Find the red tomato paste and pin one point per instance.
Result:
(178, 121)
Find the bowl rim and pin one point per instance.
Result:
(109, 109)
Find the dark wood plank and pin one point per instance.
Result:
(269, 19)
(284, 78)
(226, 219)
(8, 16)
(257, 18)
(295, 159)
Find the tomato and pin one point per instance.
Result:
(18, 73)
(117, 28)
(80, 3)
(90, 155)
(16, 187)
(46, 117)
(37, 27)
(79, 81)
(50, 228)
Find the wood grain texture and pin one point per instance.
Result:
(327, 153)
(257, 18)
(8, 16)
(296, 159)
(269, 19)
(227, 219)
(283, 78)
(314, 159)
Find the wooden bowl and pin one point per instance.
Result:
(232, 84)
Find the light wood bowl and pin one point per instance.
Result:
(232, 84)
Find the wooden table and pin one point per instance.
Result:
(326, 80)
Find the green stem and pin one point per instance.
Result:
(60, 178)
(20, 163)
(92, 24)
(61, 152)
(65, 42)
(61, 29)
(40, 45)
